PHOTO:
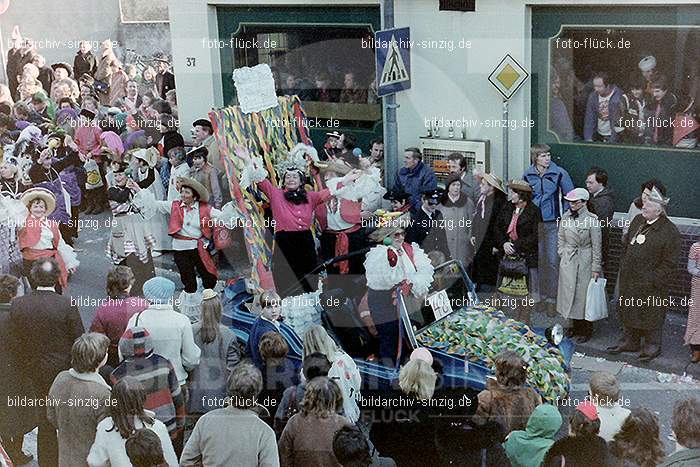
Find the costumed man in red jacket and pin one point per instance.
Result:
(191, 226)
(340, 221)
(394, 267)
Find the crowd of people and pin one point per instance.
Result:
(642, 110)
(155, 366)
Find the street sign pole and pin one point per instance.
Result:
(505, 140)
(391, 129)
(507, 78)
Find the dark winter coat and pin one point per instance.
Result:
(527, 228)
(84, 64)
(164, 83)
(428, 232)
(42, 327)
(603, 206)
(405, 423)
(646, 271)
(485, 233)
(578, 451)
(415, 181)
(661, 124)
(46, 78)
(13, 420)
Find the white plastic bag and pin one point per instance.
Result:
(596, 300)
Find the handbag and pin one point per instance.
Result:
(596, 300)
(513, 266)
(94, 179)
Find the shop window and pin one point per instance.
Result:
(625, 85)
(330, 68)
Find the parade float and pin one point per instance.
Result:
(464, 334)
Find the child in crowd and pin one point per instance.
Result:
(605, 395)
(270, 303)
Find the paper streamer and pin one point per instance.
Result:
(269, 134)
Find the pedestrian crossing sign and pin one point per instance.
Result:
(393, 60)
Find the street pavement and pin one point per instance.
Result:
(641, 383)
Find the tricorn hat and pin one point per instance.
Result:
(196, 186)
(39, 193)
(389, 225)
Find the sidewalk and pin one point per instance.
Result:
(674, 358)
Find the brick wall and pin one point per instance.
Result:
(679, 281)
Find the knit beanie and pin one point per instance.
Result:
(159, 290)
(135, 342)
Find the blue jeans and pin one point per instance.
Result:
(548, 264)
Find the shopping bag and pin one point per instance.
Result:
(596, 301)
(94, 180)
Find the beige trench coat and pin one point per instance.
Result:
(579, 248)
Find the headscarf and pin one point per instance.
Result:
(113, 143)
(50, 106)
(527, 448)
(132, 137)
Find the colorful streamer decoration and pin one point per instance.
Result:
(480, 332)
(269, 134)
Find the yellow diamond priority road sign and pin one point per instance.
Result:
(508, 76)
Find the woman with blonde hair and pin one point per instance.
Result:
(417, 379)
(308, 437)
(5, 95)
(220, 354)
(343, 368)
(406, 415)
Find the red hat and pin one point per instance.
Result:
(588, 409)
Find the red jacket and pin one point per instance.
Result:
(349, 212)
(177, 218)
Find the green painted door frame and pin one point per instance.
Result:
(232, 19)
(627, 166)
